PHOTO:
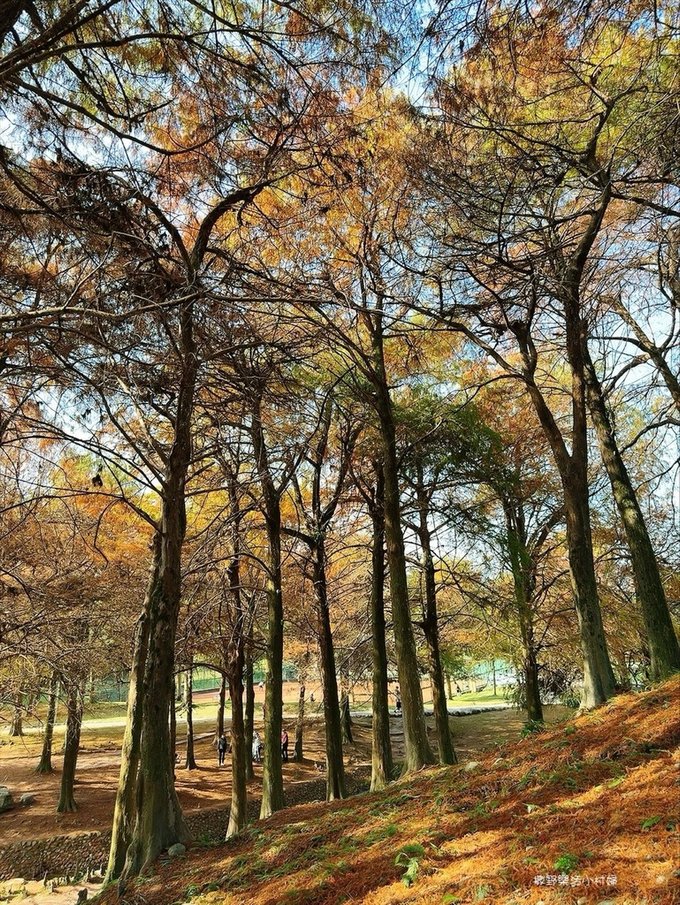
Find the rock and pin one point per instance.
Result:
(82, 896)
(6, 800)
(177, 850)
(471, 765)
(27, 798)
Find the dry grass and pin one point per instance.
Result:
(594, 798)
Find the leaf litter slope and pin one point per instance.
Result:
(593, 799)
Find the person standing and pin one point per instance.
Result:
(257, 747)
(221, 749)
(284, 745)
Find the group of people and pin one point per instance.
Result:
(223, 748)
(258, 746)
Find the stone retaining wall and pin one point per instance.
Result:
(76, 854)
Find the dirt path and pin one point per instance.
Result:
(209, 785)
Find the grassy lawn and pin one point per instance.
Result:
(479, 697)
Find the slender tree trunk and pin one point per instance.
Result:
(90, 685)
(664, 649)
(235, 663)
(447, 755)
(335, 770)
(272, 771)
(572, 465)
(74, 719)
(158, 819)
(598, 676)
(250, 707)
(598, 679)
(624, 672)
(16, 728)
(190, 760)
(381, 748)
(219, 728)
(521, 567)
(238, 812)
(417, 747)
(173, 727)
(124, 809)
(45, 763)
(300, 725)
(346, 719)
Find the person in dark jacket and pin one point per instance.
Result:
(221, 749)
(284, 745)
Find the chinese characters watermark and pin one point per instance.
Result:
(574, 880)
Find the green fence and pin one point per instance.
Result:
(114, 689)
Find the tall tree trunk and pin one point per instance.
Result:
(235, 662)
(74, 719)
(124, 809)
(417, 751)
(173, 727)
(335, 769)
(520, 564)
(45, 763)
(381, 748)
(219, 727)
(238, 812)
(158, 819)
(300, 725)
(598, 676)
(90, 682)
(572, 465)
(16, 727)
(190, 760)
(272, 771)
(346, 718)
(664, 649)
(447, 755)
(250, 706)
(417, 747)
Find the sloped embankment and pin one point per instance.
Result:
(587, 811)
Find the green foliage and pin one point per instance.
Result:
(411, 872)
(650, 822)
(380, 833)
(566, 863)
(408, 857)
(532, 727)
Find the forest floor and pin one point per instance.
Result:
(586, 811)
(209, 785)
